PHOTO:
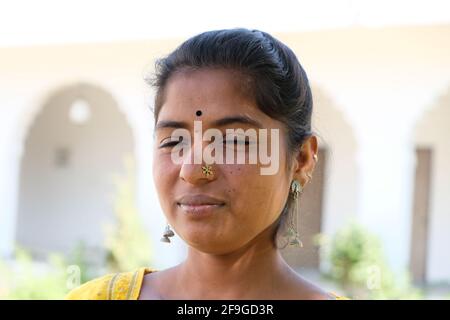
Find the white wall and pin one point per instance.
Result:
(340, 196)
(62, 204)
(433, 131)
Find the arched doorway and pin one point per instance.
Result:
(75, 144)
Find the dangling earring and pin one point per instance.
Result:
(292, 233)
(296, 189)
(167, 234)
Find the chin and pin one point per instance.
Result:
(209, 244)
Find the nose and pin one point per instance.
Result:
(196, 173)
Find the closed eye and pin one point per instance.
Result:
(238, 141)
(170, 143)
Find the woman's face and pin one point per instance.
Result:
(245, 202)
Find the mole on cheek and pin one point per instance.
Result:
(198, 113)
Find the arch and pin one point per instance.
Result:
(65, 180)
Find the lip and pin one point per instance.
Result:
(199, 205)
(199, 199)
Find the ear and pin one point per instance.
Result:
(304, 161)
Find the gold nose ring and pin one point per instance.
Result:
(207, 170)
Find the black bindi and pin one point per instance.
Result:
(198, 113)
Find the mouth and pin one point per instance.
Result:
(199, 208)
(200, 205)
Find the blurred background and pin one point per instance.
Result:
(76, 133)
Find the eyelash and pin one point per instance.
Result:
(237, 141)
(174, 143)
(169, 144)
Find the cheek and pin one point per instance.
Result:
(164, 175)
(256, 198)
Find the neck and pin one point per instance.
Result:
(256, 268)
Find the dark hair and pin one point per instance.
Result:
(277, 82)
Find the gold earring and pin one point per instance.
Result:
(315, 157)
(207, 170)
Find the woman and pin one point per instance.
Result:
(234, 216)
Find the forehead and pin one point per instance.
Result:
(216, 92)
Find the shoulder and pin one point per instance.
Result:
(114, 286)
(92, 290)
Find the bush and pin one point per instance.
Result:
(357, 262)
(127, 242)
(24, 279)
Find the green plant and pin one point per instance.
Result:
(78, 258)
(24, 280)
(358, 264)
(127, 242)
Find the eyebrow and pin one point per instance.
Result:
(216, 123)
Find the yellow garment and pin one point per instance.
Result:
(119, 286)
(116, 286)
